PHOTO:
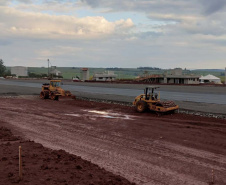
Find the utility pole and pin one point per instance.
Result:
(48, 66)
(225, 76)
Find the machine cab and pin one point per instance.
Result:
(54, 84)
(150, 94)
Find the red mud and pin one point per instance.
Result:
(46, 166)
(144, 148)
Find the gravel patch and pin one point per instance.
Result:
(181, 111)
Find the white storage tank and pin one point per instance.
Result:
(19, 71)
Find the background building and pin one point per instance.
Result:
(106, 76)
(84, 74)
(19, 71)
(174, 76)
(210, 79)
(55, 72)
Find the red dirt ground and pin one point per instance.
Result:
(45, 166)
(144, 148)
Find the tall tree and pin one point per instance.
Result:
(2, 68)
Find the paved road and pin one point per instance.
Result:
(209, 99)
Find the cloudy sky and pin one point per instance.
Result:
(114, 33)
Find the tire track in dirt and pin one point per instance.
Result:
(108, 144)
(91, 146)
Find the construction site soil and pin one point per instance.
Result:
(45, 166)
(143, 148)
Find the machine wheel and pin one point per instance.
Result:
(54, 97)
(46, 94)
(141, 106)
(42, 95)
(67, 93)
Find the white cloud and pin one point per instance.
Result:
(172, 17)
(58, 51)
(39, 25)
(128, 33)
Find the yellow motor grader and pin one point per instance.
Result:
(150, 100)
(53, 91)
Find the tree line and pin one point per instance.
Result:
(3, 71)
(149, 68)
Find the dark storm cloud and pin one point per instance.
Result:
(213, 6)
(139, 5)
(205, 7)
(193, 16)
(91, 3)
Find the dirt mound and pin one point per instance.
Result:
(6, 135)
(46, 166)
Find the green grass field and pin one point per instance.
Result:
(69, 72)
(122, 73)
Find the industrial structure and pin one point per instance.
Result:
(84, 74)
(106, 76)
(55, 72)
(174, 76)
(210, 79)
(19, 71)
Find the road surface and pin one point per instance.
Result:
(198, 98)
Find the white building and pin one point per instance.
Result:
(210, 79)
(19, 71)
(55, 72)
(174, 76)
(107, 76)
(84, 74)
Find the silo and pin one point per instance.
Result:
(19, 71)
(85, 74)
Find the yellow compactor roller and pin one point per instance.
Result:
(151, 100)
(53, 91)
